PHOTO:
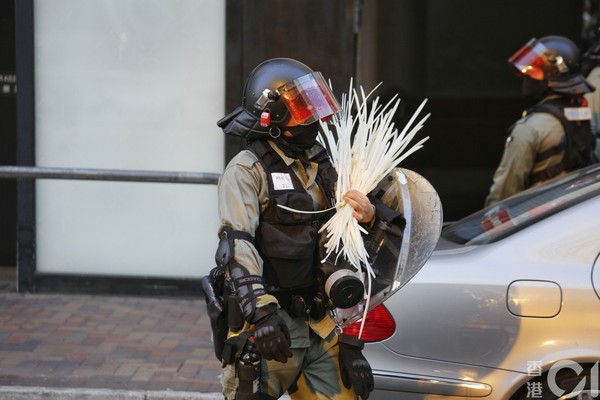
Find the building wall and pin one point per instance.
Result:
(132, 86)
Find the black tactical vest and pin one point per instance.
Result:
(288, 241)
(576, 148)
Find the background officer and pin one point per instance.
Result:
(591, 69)
(554, 136)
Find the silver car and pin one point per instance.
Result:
(507, 307)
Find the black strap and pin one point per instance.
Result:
(253, 293)
(554, 108)
(351, 341)
(224, 253)
(547, 173)
(233, 348)
(557, 112)
(248, 280)
(264, 152)
(553, 151)
(269, 158)
(285, 297)
(385, 213)
(228, 233)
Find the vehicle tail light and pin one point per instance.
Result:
(379, 325)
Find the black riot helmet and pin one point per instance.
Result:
(277, 91)
(554, 60)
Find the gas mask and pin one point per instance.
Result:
(338, 280)
(340, 283)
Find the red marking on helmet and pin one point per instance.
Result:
(265, 119)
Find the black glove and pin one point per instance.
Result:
(272, 338)
(354, 368)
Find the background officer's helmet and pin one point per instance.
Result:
(554, 59)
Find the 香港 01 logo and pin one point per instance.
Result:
(564, 378)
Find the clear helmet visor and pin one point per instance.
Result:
(531, 59)
(309, 98)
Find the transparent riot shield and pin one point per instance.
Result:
(396, 255)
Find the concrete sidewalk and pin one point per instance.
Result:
(105, 347)
(36, 393)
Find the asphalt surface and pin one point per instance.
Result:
(57, 346)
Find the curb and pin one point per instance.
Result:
(43, 393)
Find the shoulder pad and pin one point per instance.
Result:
(245, 158)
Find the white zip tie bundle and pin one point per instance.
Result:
(364, 150)
(362, 162)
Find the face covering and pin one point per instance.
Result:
(534, 88)
(303, 136)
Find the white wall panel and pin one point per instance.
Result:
(128, 84)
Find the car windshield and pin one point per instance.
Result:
(517, 212)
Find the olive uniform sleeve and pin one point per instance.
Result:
(516, 164)
(593, 99)
(242, 192)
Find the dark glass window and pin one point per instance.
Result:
(526, 208)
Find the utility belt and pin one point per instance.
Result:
(301, 302)
(225, 314)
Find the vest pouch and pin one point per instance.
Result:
(288, 254)
(296, 201)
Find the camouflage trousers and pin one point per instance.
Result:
(311, 373)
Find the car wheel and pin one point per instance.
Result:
(565, 384)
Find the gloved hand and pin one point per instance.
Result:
(354, 368)
(272, 338)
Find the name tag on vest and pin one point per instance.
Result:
(578, 113)
(282, 181)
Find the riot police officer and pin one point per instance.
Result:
(554, 136)
(591, 70)
(270, 255)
